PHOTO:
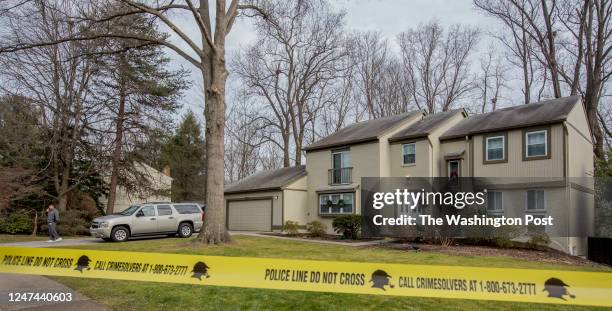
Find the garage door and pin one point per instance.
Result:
(252, 215)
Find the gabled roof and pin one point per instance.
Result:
(541, 113)
(267, 180)
(361, 132)
(425, 126)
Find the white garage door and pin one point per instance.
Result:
(252, 215)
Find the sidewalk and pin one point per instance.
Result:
(21, 283)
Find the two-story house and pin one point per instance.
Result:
(542, 144)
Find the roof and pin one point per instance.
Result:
(361, 132)
(267, 180)
(425, 126)
(541, 113)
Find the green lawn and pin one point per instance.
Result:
(10, 238)
(132, 295)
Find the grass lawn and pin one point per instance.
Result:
(10, 238)
(133, 295)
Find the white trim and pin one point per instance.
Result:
(545, 143)
(503, 138)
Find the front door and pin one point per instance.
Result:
(453, 168)
(166, 220)
(145, 220)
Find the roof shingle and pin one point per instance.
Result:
(425, 126)
(267, 180)
(545, 112)
(360, 132)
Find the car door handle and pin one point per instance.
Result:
(153, 218)
(170, 217)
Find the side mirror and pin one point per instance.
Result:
(139, 214)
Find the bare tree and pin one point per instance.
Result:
(205, 51)
(571, 41)
(298, 55)
(437, 64)
(492, 80)
(536, 19)
(57, 79)
(339, 106)
(245, 139)
(379, 83)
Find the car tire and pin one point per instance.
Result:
(120, 234)
(185, 230)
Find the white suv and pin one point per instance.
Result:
(149, 219)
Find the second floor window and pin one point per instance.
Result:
(536, 144)
(341, 168)
(409, 154)
(495, 148)
(341, 159)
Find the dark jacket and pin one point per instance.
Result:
(53, 216)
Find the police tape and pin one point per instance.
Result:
(519, 285)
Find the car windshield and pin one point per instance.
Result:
(130, 210)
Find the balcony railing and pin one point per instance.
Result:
(340, 176)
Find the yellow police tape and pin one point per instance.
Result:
(541, 286)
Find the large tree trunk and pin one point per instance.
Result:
(214, 230)
(116, 158)
(590, 106)
(62, 191)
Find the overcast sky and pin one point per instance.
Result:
(387, 16)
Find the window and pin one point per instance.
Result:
(536, 144)
(164, 210)
(409, 154)
(341, 168)
(494, 201)
(341, 159)
(495, 146)
(535, 200)
(336, 203)
(187, 209)
(412, 207)
(148, 211)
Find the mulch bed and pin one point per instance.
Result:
(550, 256)
(545, 256)
(326, 237)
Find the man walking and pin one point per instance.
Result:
(52, 219)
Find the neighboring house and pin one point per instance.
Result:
(547, 139)
(159, 189)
